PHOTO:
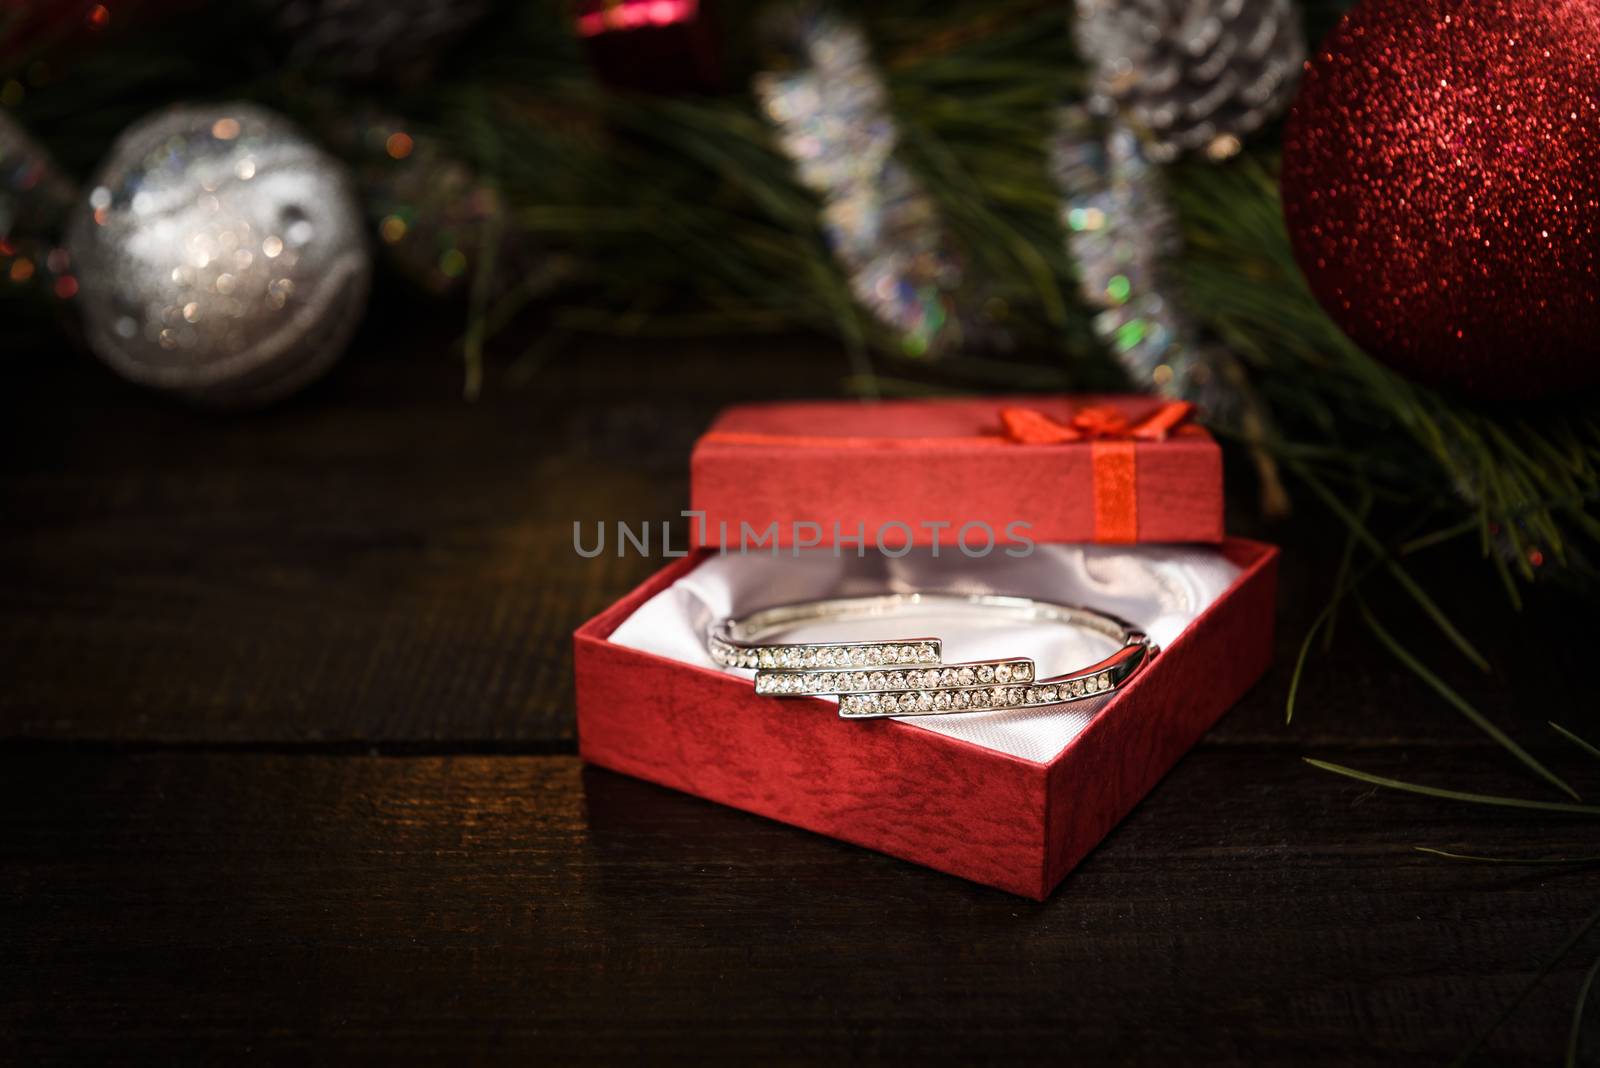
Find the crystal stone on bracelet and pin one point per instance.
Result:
(823, 682)
(864, 654)
(978, 699)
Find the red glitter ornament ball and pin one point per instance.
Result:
(1441, 184)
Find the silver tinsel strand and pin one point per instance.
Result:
(1120, 232)
(830, 110)
(1191, 74)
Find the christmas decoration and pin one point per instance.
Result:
(1167, 77)
(34, 193)
(831, 113)
(35, 196)
(1190, 74)
(1441, 183)
(431, 210)
(221, 256)
(656, 46)
(361, 40)
(1120, 232)
(27, 28)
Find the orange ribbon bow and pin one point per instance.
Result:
(1029, 426)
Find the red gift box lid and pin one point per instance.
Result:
(956, 471)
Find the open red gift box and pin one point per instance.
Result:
(1010, 798)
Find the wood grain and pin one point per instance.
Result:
(514, 908)
(377, 560)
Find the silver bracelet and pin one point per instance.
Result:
(908, 676)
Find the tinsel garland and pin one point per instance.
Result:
(1122, 232)
(830, 113)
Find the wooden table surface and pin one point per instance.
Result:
(288, 774)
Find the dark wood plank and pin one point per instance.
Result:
(506, 908)
(376, 560)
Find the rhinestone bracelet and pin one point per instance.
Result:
(908, 676)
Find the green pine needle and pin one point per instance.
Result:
(1341, 575)
(1454, 795)
(1538, 977)
(1300, 660)
(1418, 594)
(1438, 537)
(1507, 860)
(1478, 719)
(1577, 1013)
(1587, 747)
(1343, 584)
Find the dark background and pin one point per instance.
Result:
(289, 772)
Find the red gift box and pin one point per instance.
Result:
(1113, 469)
(955, 793)
(940, 801)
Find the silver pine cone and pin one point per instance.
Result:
(1191, 74)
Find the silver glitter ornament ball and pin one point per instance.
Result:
(221, 256)
(1191, 74)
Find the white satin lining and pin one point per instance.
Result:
(1160, 588)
